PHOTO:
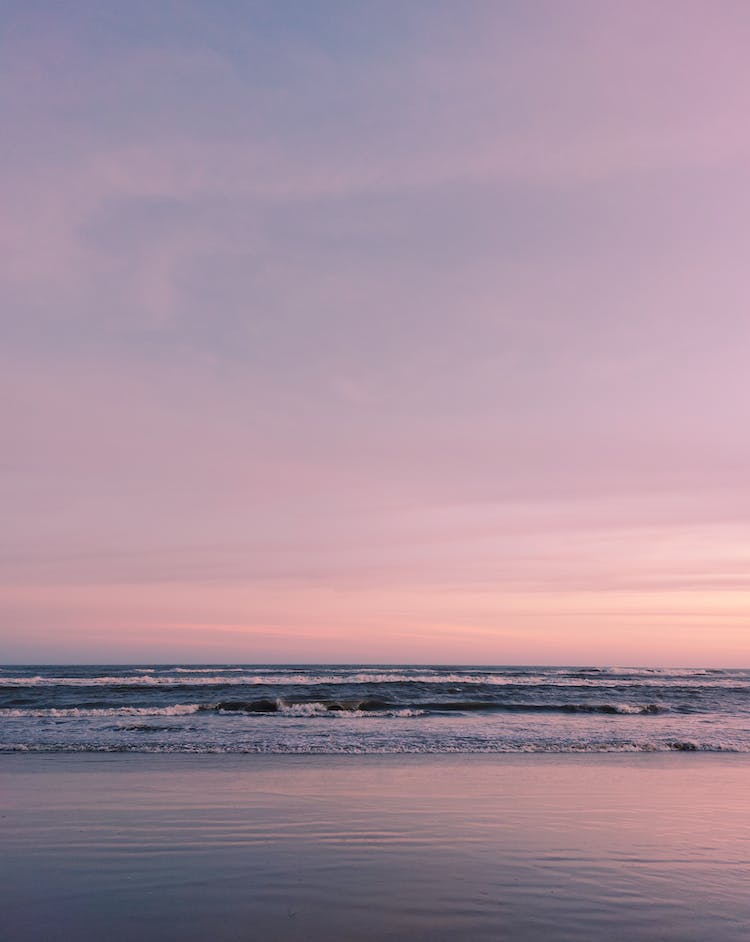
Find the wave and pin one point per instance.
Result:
(389, 748)
(205, 670)
(141, 680)
(324, 709)
(624, 709)
(349, 708)
(182, 709)
(188, 677)
(255, 679)
(645, 671)
(364, 707)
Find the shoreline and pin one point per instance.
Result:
(380, 758)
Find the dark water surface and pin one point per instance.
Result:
(372, 709)
(433, 847)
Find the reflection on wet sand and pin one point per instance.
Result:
(376, 847)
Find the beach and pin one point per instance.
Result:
(375, 512)
(370, 847)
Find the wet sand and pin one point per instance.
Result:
(137, 847)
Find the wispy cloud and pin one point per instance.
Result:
(372, 317)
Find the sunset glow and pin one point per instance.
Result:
(401, 333)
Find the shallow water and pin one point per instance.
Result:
(561, 848)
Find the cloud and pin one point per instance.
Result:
(393, 301)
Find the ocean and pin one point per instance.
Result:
(333, 709)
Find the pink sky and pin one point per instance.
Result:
(375, 332)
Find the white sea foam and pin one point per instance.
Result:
(311, 709)
(361, 747)
(187, 678)
(206, 670)
(318, 709)
(180, 709)
(635, 709)
(141, 680)
(648, 671)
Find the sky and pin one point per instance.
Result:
(375, 332)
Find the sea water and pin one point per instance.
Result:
(236, 708)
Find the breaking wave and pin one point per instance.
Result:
(364, 748)
(208, 677)
(178, 709)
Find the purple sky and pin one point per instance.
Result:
(375, 331)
